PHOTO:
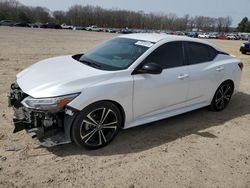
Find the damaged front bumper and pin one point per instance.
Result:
(50, 128)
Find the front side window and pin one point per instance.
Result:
(168, 55)
(116, 54)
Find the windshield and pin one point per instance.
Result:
(116, 54)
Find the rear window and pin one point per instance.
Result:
(199, 53)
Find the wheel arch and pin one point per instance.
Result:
(121, 109)
(229, 80)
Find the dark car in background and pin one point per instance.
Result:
(22, 24)
(245, 47)
(126, 31)
(7, 23)
(192, 34)
(111, 30)
(51, 25)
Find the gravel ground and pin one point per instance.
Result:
(196, 149)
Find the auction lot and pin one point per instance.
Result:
(198, 149)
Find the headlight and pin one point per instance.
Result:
(243, 45)
(51, 104)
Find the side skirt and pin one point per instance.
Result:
(164, 115)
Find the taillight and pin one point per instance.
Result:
(241, 66)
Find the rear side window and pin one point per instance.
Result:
(199, 53)
(168, 55)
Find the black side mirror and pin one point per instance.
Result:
(149, 68)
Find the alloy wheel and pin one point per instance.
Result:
(98, 127)
(223, 96)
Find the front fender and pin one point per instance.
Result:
(119, 90)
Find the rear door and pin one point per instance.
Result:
(204, 73)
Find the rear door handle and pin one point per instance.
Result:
(183, 76)
(220, 68)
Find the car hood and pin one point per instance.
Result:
(59, 76)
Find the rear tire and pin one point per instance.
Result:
(243, 52)
(96, 125)
(222, 96)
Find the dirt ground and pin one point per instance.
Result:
(197, 149)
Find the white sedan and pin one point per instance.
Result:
(203, 35)
(125, 82)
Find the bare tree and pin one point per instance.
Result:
(94, 15)
(227, 23)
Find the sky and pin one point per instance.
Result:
(213, 8)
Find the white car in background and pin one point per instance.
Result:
(65, 26)
(93, 28)
(125, 82)
(203, 35)
(212, 35)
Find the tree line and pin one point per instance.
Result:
(79, 15)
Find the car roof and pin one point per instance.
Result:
(151, 37)
(155, 38)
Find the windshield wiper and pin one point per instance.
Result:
(92, 64)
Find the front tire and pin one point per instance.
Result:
(96, 125)
(222, 96)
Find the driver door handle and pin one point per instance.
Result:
(220, 68)
(183, 76)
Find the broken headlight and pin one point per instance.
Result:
(53, 104)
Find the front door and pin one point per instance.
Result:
(155, 94)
